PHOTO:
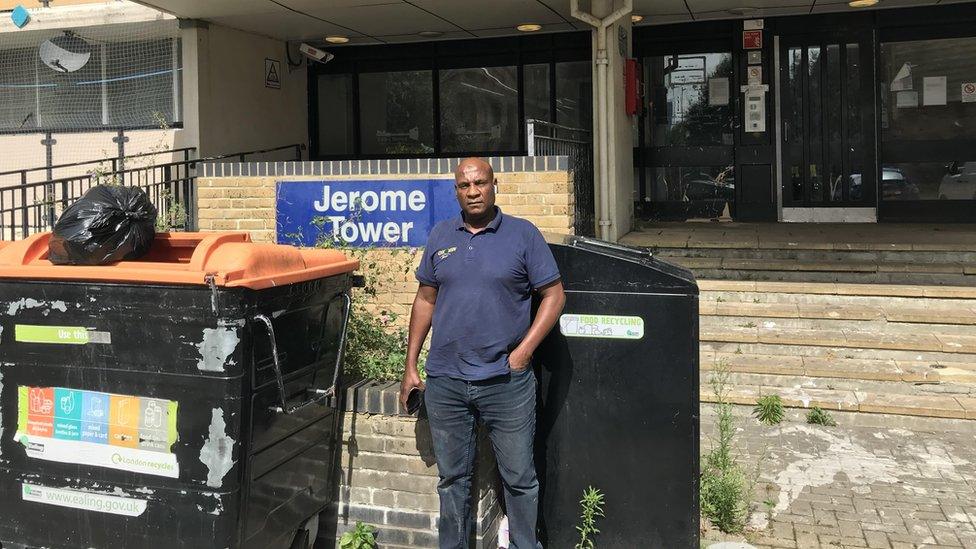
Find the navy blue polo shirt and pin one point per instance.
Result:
(484, 287)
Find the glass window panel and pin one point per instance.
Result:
(140, 90)
(681, 111)
(479, 109)
(71, 99)
(574, 92)
(855, 134)
(18, 87)
(815, 123)
(794, 123)
(397, 112)
(834, 190)
(904, 68)
(690, 192)
(536, 92)
(335, 110)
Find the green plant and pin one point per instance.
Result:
(769, 410)
(592, 504)
(819, 416)
(172, 213)
(722, 486)
(749, 324)
(363, 536)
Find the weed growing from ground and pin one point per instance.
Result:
(592, 505)
(819, 416)
(769, 410)
(723, 489)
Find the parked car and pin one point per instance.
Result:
(894, 186)
(959, 182)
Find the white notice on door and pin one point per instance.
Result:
(934, 88)
(718, 91)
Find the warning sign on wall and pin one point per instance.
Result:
(752, 40)
(272, 74)
(969, 92)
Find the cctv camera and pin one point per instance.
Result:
(315, 54)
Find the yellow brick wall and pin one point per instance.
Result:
(248, 204)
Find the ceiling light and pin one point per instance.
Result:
(430, 34)
(529, 27)
(634, 18)
(862, 3)
(743, 11)
(336, 39)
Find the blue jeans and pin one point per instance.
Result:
(507, 406)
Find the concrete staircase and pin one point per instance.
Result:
(905, 350)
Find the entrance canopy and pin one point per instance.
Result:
(397, 21)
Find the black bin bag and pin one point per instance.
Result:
(107, 224)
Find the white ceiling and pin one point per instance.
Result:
(393, 21)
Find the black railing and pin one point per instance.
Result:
(31, 207)
(548, 139)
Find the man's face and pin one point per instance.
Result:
(475, 188)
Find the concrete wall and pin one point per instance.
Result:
(227, 107)
(621, 126)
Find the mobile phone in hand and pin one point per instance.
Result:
(414, 400)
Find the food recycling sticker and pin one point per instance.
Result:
(602, 326)
(64, 335)
(86, 501)
(128, 433)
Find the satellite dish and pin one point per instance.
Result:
(65, 53)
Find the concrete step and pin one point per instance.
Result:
(879, 326)
(836, 276)
(843, 289)
(848, 353)
(936, 406)
(840, 368)
(890, 257)
(839, 338)
(911, 313)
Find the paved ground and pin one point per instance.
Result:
(855, 486)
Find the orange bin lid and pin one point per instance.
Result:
(184, 258)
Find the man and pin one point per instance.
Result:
(477, 277)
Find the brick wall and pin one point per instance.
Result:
(388, 478)
(241, 197)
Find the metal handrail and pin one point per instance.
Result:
(108, 159)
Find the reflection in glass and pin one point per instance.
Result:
(574, 89)
(396, 112)
(335, 114)
(479, 109)
(689, 192)
(834, 130)
(536, 93)
(815, 133)
(681, 110)
(793, 127)
(855, 137)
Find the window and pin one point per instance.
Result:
(479, 109)
(922, 85)
(142, 93)
(536, 79)
(689, 100)
(397, 112)
(574, 89)
(336, 124)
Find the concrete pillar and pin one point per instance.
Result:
(194, 37)
(620, 127)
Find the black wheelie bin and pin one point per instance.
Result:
(182, 400)
(618, 410)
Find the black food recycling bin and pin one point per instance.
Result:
(182, 400)
(618, 409)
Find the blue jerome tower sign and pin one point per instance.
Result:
(363, 213)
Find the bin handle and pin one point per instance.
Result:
(318, 395)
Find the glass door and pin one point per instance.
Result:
(827, 115)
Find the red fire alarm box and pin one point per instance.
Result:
(632, 86)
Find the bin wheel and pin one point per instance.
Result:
(305, 538)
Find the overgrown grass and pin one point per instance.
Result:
(819, 416)
(769, 410)
(723, 486)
